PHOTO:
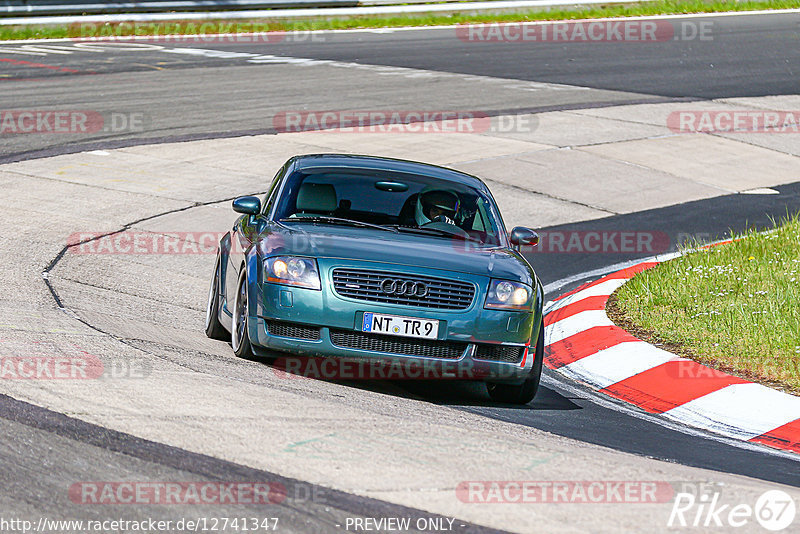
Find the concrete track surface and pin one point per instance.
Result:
(173, 405)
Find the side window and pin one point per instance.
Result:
(269, 198)
(479, 223)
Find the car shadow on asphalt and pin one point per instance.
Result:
(445, 392)
(463, 394)
(456, 393)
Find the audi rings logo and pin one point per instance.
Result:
(404, 287)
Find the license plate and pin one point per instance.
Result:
(397, 325)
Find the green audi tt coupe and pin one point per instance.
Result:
(384, 262)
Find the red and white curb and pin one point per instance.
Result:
(582, 343)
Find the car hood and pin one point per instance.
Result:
(366, 244)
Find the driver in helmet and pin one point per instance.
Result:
(436, 205)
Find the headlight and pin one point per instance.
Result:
(507, 295)
(293, 271)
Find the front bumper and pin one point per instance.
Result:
(473, 337)
(467, 366)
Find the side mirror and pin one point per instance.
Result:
(247, 205)
(522, 236)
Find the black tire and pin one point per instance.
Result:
(240, 339)
(214, 328)
(525, 392)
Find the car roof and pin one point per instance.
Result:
(351, 161)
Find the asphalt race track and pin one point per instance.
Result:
(186, 95)
(218, 94)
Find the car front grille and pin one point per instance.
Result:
(349, 339)
(294, 330)
(500, 353)
(439, 293)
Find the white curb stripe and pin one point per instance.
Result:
(741, 411)
(617, 363)
(601, 289)
(577, 323)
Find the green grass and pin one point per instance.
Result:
(657, 7)
(733, 307)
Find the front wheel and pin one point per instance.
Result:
(240, 340)
(525, 392)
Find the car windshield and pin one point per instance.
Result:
(407, 203)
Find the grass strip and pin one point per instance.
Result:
(732, 307)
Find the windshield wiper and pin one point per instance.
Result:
(434, 231)
(338, 220)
